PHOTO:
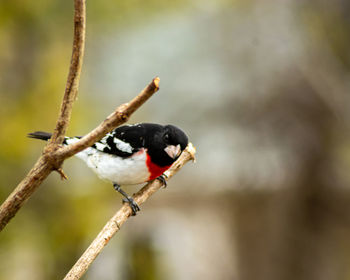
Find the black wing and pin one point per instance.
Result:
(123, 141)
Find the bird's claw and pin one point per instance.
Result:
(163, 180)
(133, 205)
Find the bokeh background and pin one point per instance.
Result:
(260, 87)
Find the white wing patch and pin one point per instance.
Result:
(100, 146)
(123, 146)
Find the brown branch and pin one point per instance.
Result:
(115, 223)
(52, 159)
(118, 117)
(72, 84)
(23, 191)
(54, 154)
(44, 165)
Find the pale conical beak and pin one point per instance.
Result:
(173, 151)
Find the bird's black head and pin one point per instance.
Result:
(167, 145)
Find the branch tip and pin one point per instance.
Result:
(63, 176)
(156, 81)
(192, 151)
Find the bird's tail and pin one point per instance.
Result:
(46, 136)
(40, 135)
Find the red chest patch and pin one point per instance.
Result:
(155, 170)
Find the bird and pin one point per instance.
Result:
(131, 154)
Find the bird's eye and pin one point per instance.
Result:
(166, 137)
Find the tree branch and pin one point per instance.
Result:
(72, 84)
(118, 117)
(44, 166)
(52, 158)
(54, 154)
(115, 223)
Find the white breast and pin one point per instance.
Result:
(123, 171)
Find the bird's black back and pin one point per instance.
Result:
(137, 136)
(143, 135)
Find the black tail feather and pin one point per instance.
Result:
(40, 135)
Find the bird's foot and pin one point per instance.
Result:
(133, 205)
(128, 199)
(163, 180)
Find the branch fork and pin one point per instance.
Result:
(54, 153)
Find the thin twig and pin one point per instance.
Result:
(72, 84)
(115, 223)
(118, 117)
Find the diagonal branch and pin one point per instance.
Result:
(118, 117)
(53, 154)
(52, 159)
(115, 223)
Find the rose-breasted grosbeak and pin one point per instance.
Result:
(131, 154)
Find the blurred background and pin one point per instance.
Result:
(260, 87)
